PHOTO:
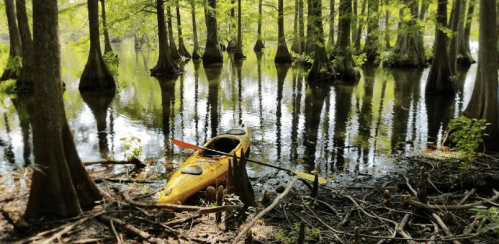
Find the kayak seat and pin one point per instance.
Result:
(226, 145)
(192, 171)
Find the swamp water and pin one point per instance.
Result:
(347, 131)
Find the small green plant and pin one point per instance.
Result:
(489, 219)
(360, 59)
(111, 60)
(14, 64)
(132, 146)
(292, 236)
(8, 86)
(467, 134)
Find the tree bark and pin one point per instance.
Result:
(439, 80)
(25, 82)
(239, 45)
(282, 55)
(465, 58)
(301, 26)
(195, 54)
(456, 21)
(231, 46)
(54, 190)
(321, 71)
(410, 49)
(387, 26)
(166, 65)
(181, 46)
(173, 46)
(259, 44)
(296, 40)
(15, 43)
(371, 45)
(107, 41)
(484, 103)
(95, 76)
(360, 25)
(345, 71)
(212, 53)
(331, 23)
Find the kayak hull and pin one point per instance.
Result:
(203, 168)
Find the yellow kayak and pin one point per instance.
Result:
(204, 167)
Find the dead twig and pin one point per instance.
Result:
(248, 227)
(325, 204)
(468, 194)
(400, 229)
(410, 187)
(444, 227)
(409, 200)
(115, 233)
(134, 161)
(130, 228)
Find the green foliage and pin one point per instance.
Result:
(467, 135)
(489, 219)
(292, 236)
(360, 59)
(8, 86)
(112, 61)
(132, 146)
(14, 63)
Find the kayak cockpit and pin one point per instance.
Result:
(221, 144)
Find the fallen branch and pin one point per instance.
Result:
(409, 200)
(444, 227)
(67, 229)
(180, 208)
(400, 229)
(13, 198)
(130, 228)
(126, 181)
(134, 161)
(325, 204)
(468, 194)
(276, 200)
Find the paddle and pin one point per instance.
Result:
(301, 174)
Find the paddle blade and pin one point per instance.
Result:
(185, 144)
(309, 177)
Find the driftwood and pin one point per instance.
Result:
(409, 200)
(180, 208)
(248, 227)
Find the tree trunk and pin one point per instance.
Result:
(212, 53)
(195, 54)
(484, 103)
(331, 23)
(321, 71)
(353, 27)
(465, 58)
(166, 65)
(181, 47)
(301, 26)
(54, 190)
(345, 71)
(296, 40)
(259, 44)
(282, 55)
(371, 46)
(231, 46)
(239, 46)
(95, 76)
(456, 21)
(310, 39)
(25, 82)
(439, 80)
(173, 46)
(409, 50)
(107, 41)
(360, 25)
(15, 52)
(387, 26)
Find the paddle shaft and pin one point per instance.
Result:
(250, 160)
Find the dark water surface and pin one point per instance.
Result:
(346, 129)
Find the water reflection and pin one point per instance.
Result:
(25, 110)
(99, 103)
(167, 85)
(350, 128)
